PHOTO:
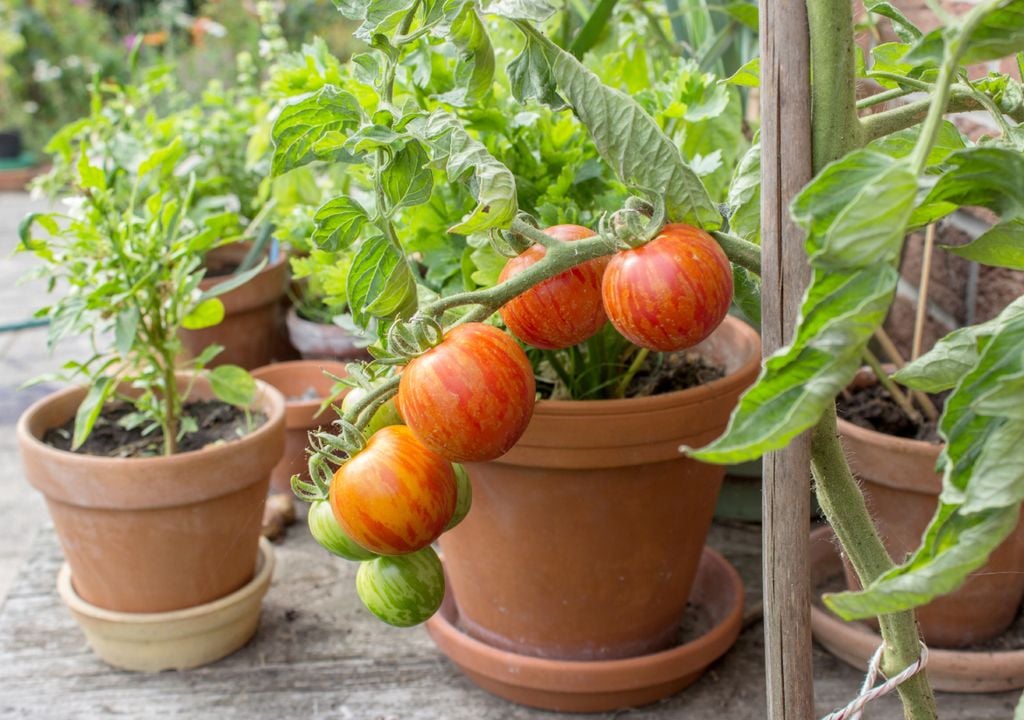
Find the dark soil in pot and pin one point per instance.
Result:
(873, 408)
(215, 421)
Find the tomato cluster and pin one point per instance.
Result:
(470, 398)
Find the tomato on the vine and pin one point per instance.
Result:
(471, 397)
(326, 530)
(387, 414)
(404, 590)
(396, 496)
(670, 293)
(563, 310)
(465, 497)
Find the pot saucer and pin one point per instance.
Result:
(958, 671)
(602, 685)
(175, 640)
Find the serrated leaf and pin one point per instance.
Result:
(91, 407)
(530, 77)
(749, 75)
(374, 137)
(232, 384)
(338, 222)
(406, 179)
(986, 176)
(1000, 246)
(303, 123)
(630, 140)
(907, 31)
(206, 314)
(532, 10)
(380, 283)
(474, 71)
(996, 36)
(465, 158)
(382, 17)
(744, 198)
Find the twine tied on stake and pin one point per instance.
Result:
(868, 692)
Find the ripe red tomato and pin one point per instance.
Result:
(563, 310)
(396, 496)
(471, 397)
(670, 293)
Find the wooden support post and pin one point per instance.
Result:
(786, 168)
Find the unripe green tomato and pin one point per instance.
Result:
(402, 590)
(387, 414)
(465, 497)
(326, 531)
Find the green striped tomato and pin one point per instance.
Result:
(563, 310)
(471, 397)
(670, 293)
(331, 536)
(396, 496)
(404, 590)
(465, 496)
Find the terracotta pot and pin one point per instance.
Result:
(584, 539)
(147, 535)
(603, 685)
(902, 490)
(252, 320)
(295, 379)
(322, 341)
(959, 671)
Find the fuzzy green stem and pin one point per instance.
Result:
(900, 118)
(739, 251)
(634, 367)
(882, 97)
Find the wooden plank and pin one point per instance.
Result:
(786, 167)
(319, 654)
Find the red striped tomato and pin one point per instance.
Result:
(471, 397)
(563, 310)
(670, 293)
(396, 496)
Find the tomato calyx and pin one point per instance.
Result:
(411, 338)
(327, 449)
(636, 224)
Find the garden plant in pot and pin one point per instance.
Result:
(155, 472)
(549, 480)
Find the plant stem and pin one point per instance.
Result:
(900, 118)
(889, 385)
(843, 503)
(638, 361)
(743, 253)
(882, 97)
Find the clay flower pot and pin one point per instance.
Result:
(251, 326)
(295, 380)
(322, 341)
(902, 491)
(156, 534)
(584, 539)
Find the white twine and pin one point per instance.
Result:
(869, 693)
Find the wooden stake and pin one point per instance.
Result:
(922, 292)
(785, 273)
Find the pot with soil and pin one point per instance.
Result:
(894, 458)
(322, 340)
(585, 539)
(252, 323)
(145, 534)
(304, 385)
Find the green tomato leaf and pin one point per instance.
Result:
(1001, 246)
(907, 31)
(630, 140)
(747, 293)
(406, 179)
(745, 13)
(232, 384)
(90, 177)
(532, 10)
(89, 411)
(382, 17)
(465, 158)
(338, 222)
(304, 123)
(352, 9)
(744, 199)
(374, 137)
(530, 77)
(748, 75)
(380, 282)
(901, 143)
(996, 36)
(163, 159)
(206, 314)
(474, 72)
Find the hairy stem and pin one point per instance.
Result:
(961, 99)
(739, 251)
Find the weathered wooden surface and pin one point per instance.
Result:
(318, 654)
(786, 167)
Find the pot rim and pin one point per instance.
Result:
(690, 396)
(268, 399)
(272, 266)
(304, 405)
(891, 443)
(265, 563)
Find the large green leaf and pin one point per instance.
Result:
(530, 78)
(629, 139)
(232, 384)
(474, 72)
(304, 123)
(901, 143)
(382, 17)
(89, 411)
(532, 10)
(860, 201)
(905, 29)
(338, 222)
(1002, 246)
(380, 283)
(406, 178)
(744, 199)
(996, 36)
(983, 478)
(465, 158)
(987, 176)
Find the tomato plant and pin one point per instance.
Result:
(324, 528)
(465, 496)
(404, 590)
(670, 293)
(396, 496)
(563, 310)
(471, 397)
(387, 414)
